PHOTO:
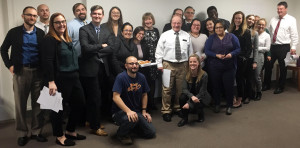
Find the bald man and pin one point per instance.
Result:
(44, 15)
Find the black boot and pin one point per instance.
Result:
(184, 120)
(201, 117)
(258, 96)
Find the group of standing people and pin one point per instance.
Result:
(95, 66)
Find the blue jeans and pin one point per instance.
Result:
(144, 128)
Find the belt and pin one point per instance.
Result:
(174, 62)
(31, 65)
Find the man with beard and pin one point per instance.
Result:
(44, 14)
(79, 11)
(24, 65)
(130, 103)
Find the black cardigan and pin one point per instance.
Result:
(14, 38)
(201, 89)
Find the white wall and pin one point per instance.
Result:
(132, 12)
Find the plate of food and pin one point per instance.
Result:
(145, 63)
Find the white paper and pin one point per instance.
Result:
(166, 77)
(50, 102)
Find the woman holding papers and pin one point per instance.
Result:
(60, 64)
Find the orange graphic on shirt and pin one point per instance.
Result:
(134, 87)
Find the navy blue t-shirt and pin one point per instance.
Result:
(131, 90)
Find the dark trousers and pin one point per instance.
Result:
(242, 65)
(151, 84)
(106, 85)
(267, 66)
(222, 78)
(278, 52)
(250, 80)
(193, 107)
(142, 126)
(93, 100)
(72, 93)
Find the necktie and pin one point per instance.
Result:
(98, 32)
(45, 29)
(84, 22)
(276, 30)
(177, 48)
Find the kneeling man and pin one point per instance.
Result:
(130, 103)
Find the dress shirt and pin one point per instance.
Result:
(287, 31)
(73, 30)
(264, 42)
(165, 49)
(42, 26)
(30, 50)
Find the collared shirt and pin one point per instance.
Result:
(264, 42)
(165, 49)
(287, 31)
(42, 26)
(30, 51)
(73, 30)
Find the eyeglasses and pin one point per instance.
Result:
(133, 64)
(196, 25)
(115, 13)
(219, 28)
(31, 15)
(127, 30)
(190, 12)
(60, 22)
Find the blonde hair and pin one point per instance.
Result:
(200, 72)
(147, 15)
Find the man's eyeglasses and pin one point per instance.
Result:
(133, 63)
(31, 15)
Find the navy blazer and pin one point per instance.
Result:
(92, 51)
(14, 38)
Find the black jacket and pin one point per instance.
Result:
(92, 51)
(14, 38)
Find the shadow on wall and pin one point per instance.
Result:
(6, 110)
(201, 16)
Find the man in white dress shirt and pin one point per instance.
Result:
(173, 57)
(284, 38)
(44, 15)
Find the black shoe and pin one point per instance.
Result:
(278, 91)
(39, 138)
(228, 111)
(265, 87)
(182, 122)
(179, 114)
(77, 137)
(246, 101)
(258, 96)
(22, 141)
(167, 117)
(201, 118)
(217, 109)
(67, 142)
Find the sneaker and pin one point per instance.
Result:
(126, 140)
